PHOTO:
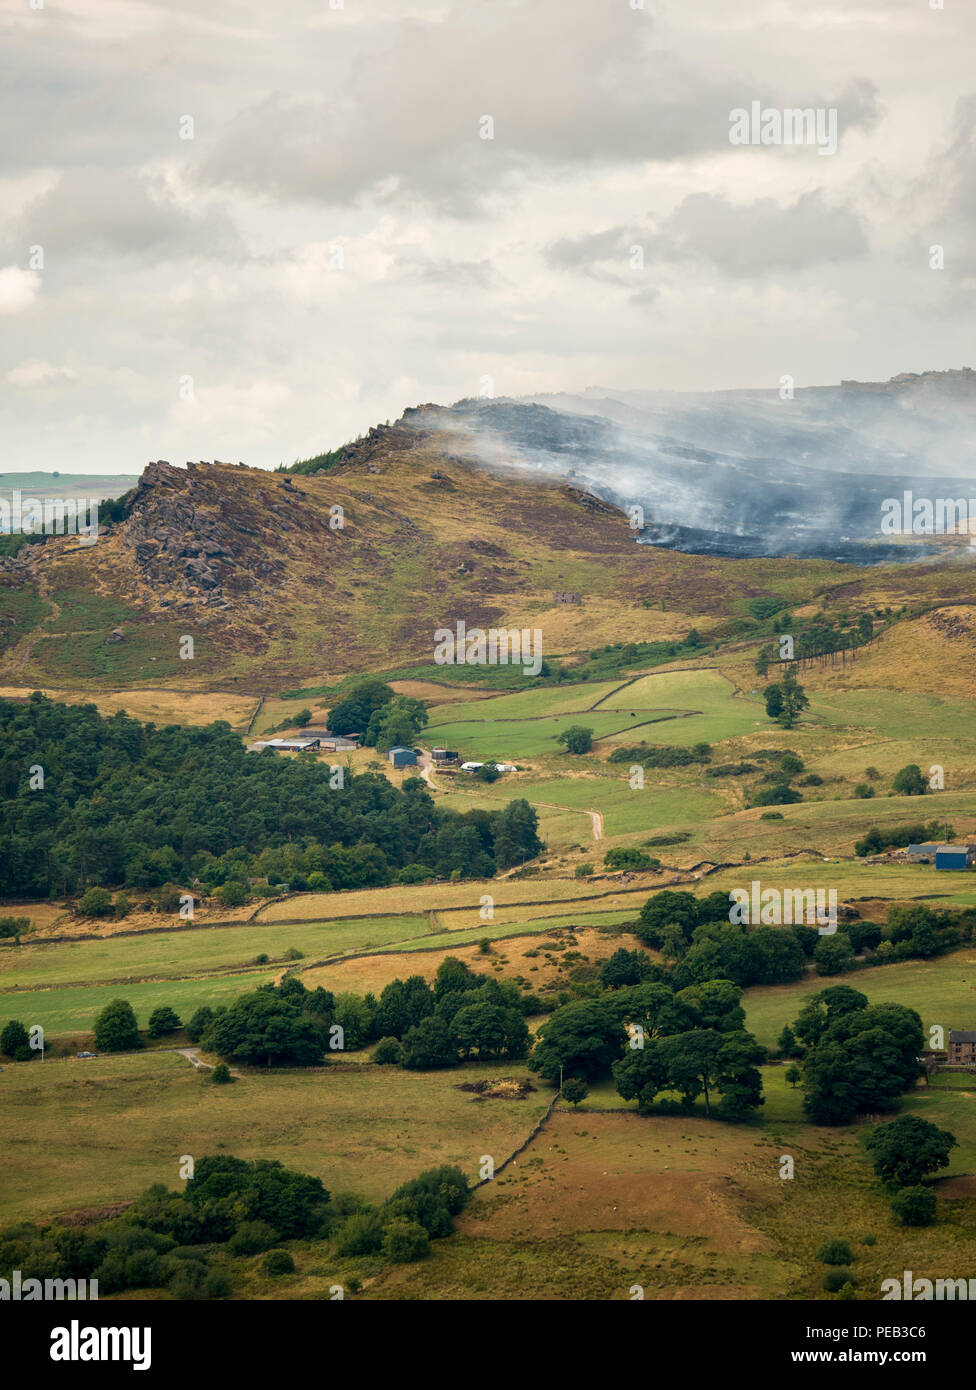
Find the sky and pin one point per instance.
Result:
(250, 231)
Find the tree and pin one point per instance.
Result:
(909, 1149)
(263, 1028)
(786, 1042)
(116, 1029)
(490, 1031)
(233, 893)
(786, 700)
(220, 1075)
(584, 1037)
(515, 833)
(833, 954)
(577, 739)
(352, 714)
(625, 968)
(914, 1206)
(429, 1044)
(15, 927)
(95, 902)
(397, 724)
(793, 1076)
(663, 908)
(163, 1020)
(574, 1090)
(199, 1023)
(909, 781)
(14, 1040)
(303, 718)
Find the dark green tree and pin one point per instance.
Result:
(908, 1149)
(116, 1029)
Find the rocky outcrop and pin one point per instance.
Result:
(187, 529)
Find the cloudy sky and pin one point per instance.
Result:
(336, 240)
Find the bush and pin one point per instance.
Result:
(405, 1241)
(863, 791)
(95, 902)
(772, 815)
(624, 857)
(835, 1279)
(276, 1263)
(251, 1237)
(388, 1052)
(360, 1234)
(835, 1252)
(914, 1206)
(583, 871)
(220, 1076)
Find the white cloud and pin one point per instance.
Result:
(18, 289)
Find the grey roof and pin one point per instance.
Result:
(969, 1037)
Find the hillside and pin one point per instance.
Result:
(253, 566)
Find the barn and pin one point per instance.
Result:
(403, 757)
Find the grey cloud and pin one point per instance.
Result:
(93, 211)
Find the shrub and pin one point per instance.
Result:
(835, 1252)
(388, 1052)
(405, 1241)
(863, 791)
(251, 1237)
(360, 1234)
(914, 1206)
(197, 1025)
(95, 902)
(835, 1279)
(276, 1263)
(772, 815)
(583, 871)
(220, 1076)
(293, 953)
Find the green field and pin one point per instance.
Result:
(182, 952)
(942, 991)
(80, 1133)
(65, 1012)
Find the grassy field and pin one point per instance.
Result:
(71, 1012)
(425, 897)
(182, 952)
(80, 1134)
(943, 991)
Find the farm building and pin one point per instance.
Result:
(954, 857)
(333, 743)
(962, 1049)
(403, 757)
(444, 755)
(922, 854)
(286, 745)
